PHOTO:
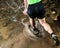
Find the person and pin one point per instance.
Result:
(35, 8)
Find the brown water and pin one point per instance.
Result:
(11, 33)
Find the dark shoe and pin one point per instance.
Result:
(55, 38)
(56, 41)
(37, 32)
(34, 30)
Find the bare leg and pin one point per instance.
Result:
(46, 25)
(32, 22)
(49, 30)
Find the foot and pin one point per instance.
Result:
(35, 31)
(55, 38)
(56, 41)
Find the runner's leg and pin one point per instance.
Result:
(32, 22)
(49, 30)
(46, 25)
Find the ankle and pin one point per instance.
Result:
(54, 37)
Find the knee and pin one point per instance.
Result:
(43, 22)
(31, 19)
